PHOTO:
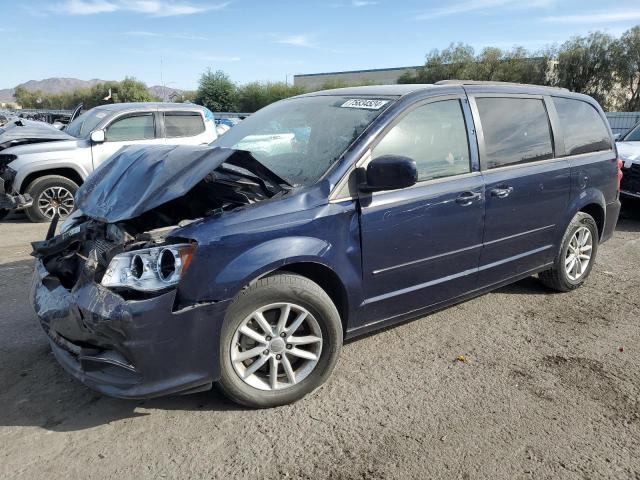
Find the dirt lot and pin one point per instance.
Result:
(550, 389)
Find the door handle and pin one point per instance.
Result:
(467, 198)
(501, 192)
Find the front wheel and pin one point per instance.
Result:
(280, 340)
(51, 194)
(574, 260)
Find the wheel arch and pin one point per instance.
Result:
(590, 201)
(66, 172)
(598, 214)
(326, 278)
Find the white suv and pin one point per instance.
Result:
(41, 176)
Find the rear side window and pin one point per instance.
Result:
(584, 130)
(516, 130)
(183, 124)
(133, 127)
(435, 136)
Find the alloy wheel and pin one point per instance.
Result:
(578, 253)
(55, 200)
(276, 347)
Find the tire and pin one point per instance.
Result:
(301, 294)
(4, 213)
(557, 277)
(43, 186)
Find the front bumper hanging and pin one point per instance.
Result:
(128, 349)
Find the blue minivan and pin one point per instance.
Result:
(322, 217)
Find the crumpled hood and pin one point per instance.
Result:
(31, 130)
(140, 178)
(629, 151)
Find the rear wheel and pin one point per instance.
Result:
(281, 340)
(51, 194)
(574, 261)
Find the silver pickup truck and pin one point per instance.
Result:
(41, 167)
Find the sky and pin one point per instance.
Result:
(176, 41)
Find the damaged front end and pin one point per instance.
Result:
(107, 288)
(9, 200)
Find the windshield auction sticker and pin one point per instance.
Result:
(366, 104)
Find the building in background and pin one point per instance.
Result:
(376, 76)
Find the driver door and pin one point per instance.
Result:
(421, 245)
(139, 128)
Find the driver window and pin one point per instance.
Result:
(134, 127)
(435, 136)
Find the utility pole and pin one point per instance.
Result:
(164, 88)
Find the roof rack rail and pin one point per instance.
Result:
(485, 82)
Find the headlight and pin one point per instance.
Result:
(150, 269)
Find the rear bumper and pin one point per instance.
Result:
(611, 219)
(128, 349)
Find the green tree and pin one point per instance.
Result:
(585, 65)
(454, 62)
(216, 91)
(255, 95)
(627, 68)
(131, 90)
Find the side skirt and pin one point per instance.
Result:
(414, 314)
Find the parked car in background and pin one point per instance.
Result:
(629, 151)
(41, 167)
(249, 268)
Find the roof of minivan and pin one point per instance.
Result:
(118, 107)
(448, 85)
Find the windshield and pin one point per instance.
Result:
(300, 138)
(633, 135)
(82, 126)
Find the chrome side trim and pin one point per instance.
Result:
(464, 273)
(422, 260)
(528, 232)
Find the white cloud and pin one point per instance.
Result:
(478, 6)
(139, 33)
(186, 36)
(157, 8)
(179, 36)
(214, 58)
(354, 4)
(86, 7)
(296, 41)
(597, 17)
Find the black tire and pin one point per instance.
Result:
(4, 213)
(556, 277)
(284, 287)
(38, 187)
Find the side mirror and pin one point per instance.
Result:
(389, 172)
(97, 136)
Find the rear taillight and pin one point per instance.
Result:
(619, 173)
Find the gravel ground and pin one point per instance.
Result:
(550, 389)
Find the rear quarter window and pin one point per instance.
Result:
(583, 128)
(183, 124)
(516, 130)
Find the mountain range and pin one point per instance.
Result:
(60, 85)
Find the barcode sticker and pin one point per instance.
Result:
(366, 104)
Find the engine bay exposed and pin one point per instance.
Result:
(89, 245)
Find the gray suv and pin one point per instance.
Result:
(41, 174)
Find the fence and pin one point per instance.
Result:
(621, 122)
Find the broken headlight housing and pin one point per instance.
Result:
(150, 269)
